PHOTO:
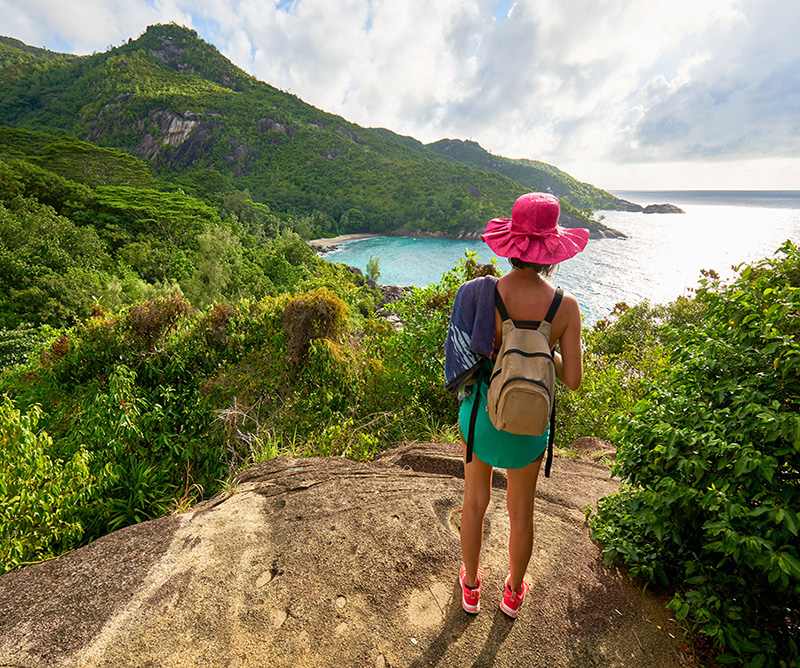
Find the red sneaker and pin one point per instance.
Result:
(512, 600)
(470, 598)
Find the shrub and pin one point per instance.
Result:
(317, 315)
(18, 344)
(126, 389)
(411, 379)
(622, 356)
(40, 498)
(612, 385)
(373, 268)
(152, 320)
(712, 462)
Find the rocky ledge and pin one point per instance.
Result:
(320, 562)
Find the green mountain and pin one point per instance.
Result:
(204, 125)
(13, 52)
(533, 175)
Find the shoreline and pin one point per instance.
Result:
(597, 231)
(331, 242)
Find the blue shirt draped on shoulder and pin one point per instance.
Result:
(470, 336)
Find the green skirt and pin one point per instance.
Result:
(495, 447)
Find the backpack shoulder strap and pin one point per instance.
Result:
(473, 416)
(551, 312)
(501, 307)
(550, 439)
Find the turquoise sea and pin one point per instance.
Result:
(660, 260)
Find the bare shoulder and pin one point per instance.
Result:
(567, 320)
(570, 307)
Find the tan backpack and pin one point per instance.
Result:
(521, 394)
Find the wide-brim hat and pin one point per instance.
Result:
(532, 234)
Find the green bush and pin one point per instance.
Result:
(40, 497)
(622, 356)
(140, 446)
(410, 380)
(127, 390)
(16, 345)
(712, 462)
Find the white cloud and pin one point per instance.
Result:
(656, 87)
(753, 174)
(84, 26)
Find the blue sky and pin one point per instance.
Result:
(651, 94)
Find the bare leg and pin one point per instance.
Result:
(520, 496)
(477, 492)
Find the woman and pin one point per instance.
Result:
(534, 243)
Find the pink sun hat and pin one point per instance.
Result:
(532, 233)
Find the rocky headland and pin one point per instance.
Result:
(625, 205)
(597, 230)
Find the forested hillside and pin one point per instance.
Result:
(84, 228)
(14, 52)
(202, 123)
(533, 175)
(160, 168)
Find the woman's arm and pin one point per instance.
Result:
(569, 362)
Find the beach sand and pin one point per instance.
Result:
(332, 241)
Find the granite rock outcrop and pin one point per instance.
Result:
(319, 562)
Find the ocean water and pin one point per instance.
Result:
(659, 261)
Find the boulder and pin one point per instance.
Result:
(320, 247)
(594, 446)
(662, 208)
(393, 293)
(321, 562)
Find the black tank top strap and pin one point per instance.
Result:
(551, 312)
(533, 324)
(501, 307)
